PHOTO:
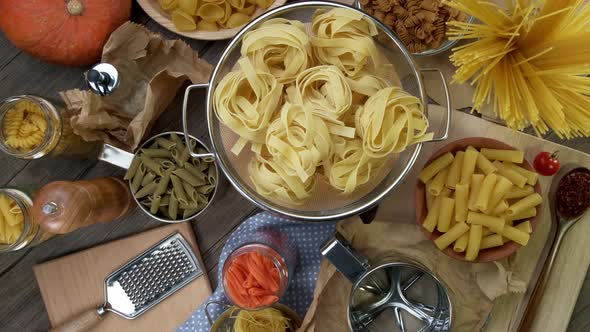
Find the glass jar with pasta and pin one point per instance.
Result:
(32, 127)
(17, 229)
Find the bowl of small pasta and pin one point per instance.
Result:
(208, 19)
(478, 199)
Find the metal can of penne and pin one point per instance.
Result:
(168, 183)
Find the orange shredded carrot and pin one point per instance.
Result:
(252, 280)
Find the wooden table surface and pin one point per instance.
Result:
(21, 306)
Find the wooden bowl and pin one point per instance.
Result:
(486, 255)
(153, 9)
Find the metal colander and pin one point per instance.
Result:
(326, 203)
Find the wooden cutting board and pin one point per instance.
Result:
(573, 258)
(74, 283)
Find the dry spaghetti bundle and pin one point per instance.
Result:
(530, 59)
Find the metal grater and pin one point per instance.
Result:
(150, 277)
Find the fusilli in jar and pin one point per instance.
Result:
(32, 127)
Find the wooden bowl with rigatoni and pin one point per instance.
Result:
(492, 193)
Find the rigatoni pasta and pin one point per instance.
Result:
(489, 209)
(512, 175)
(168, 182)
(468, 166)
(435, 167)
(455, 171)
(515, 156)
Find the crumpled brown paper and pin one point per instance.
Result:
(169, 63)
(472, 287)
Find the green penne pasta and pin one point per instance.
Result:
(164, 211)
(132, 169)
(203, 199)
(195, 171)
(176, 140)
(165, 200)
(178, 189)
(138, 178)
(146, 201)
(189, 205)
(149, 177)
(204, 166)
(206, 189)
(173, 208)
(191, 192)
(190, 212)
(188, 177)
(165, 143)
(212, 175)
(146, 190)
(154, 145)
(163, 183)
(151, 164)
(201, 150)
(184, 156)
(155, 204)
(156, 153)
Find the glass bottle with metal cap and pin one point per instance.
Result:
(119, 86)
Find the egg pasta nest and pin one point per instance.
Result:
(530, 59)
(319, 105)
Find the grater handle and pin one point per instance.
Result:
(83, 322)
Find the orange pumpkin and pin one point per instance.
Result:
(66, 32)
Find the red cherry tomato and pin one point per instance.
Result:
(546, 163)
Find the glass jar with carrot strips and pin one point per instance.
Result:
(256, 275)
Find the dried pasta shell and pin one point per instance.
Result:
(248, 10)
(168, 4)
(226, 14)
(237, 20)
(183, 21)
(189, 6)
(264, 3)
(215, 2)
(237, 4)
(211, 12)
(207, 26)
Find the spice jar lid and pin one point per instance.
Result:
(103, 79)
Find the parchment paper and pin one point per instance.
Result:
(472, 287)
(168, 64)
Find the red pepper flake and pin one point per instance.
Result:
(573, 194)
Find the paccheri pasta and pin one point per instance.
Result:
(487, 209)
(24, 126)
(168, 181)
(211, 15)
(318, 105)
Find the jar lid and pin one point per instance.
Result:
(102, 79)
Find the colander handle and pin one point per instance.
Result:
(208, 314)
(445, 135)
(187, 92)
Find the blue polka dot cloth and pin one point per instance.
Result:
(306, 237)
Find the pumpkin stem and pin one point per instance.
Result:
(75, 7)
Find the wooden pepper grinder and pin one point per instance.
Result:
(63, 206)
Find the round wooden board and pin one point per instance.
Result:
(152, 8)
